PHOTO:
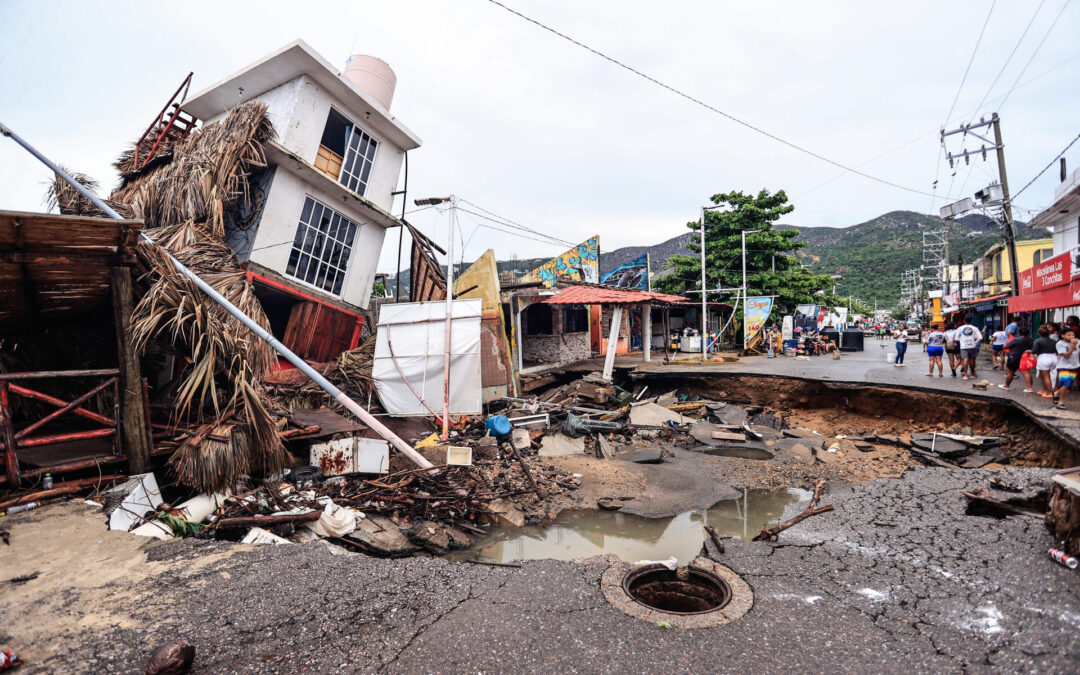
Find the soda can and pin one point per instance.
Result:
(1064, 558)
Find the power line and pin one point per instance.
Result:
(1047, 167)
(510, 223)
(968, 69)
(1032, 57)
(956, 97)
(705, 105)
(541, 237)
(1011, 54)
(936, 131)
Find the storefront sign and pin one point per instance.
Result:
(1051, 298)
(1056, 271)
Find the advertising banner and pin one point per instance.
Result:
(581, 263)
(755, 313)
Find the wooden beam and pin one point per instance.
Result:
(7, 432)
(134, 436)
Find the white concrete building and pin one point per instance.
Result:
(313, 248)
(1063, 216)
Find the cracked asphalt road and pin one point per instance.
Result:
(896, 578)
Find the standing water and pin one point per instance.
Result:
(585, 533)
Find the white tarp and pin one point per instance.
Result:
(414, 335)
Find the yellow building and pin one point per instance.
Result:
(995, 272)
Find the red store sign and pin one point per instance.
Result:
(1056, 271)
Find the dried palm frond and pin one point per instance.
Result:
(62, 196)
(207, 172)
(350, 372)
(212, 458)
(183, 202)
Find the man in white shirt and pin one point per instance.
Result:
(997, 344)
(969, 337)
(952, 348)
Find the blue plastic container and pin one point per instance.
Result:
(498, 426)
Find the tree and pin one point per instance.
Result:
(900, 314)
(771, 269)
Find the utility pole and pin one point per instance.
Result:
(1006, 207)
(704, 315)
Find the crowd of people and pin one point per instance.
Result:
(1052, 356)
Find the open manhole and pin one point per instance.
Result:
(687, 590)
(702, 595)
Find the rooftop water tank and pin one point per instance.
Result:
(373, 76)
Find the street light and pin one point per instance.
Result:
(704, 311)
(432, 201)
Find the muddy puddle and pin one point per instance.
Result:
(578, 534)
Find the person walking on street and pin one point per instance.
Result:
(901, 347)
(1046, 354)
(997, 343)
(1012, 329)
(1017, 347)
(952, 347)
(935, 349)
(1067, 366)
(969, 337)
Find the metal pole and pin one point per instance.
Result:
(1006, 207)
(449, 321)
(326, 385)
(704, 315)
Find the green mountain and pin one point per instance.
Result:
(870, 257)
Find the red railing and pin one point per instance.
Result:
(14, 440)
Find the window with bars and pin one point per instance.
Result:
(322, 247)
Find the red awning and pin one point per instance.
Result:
(598, 295)
(1051, 298)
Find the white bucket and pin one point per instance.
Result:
(890, 357)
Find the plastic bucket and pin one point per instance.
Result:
(890, 357)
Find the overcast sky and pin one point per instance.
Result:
(536, 129)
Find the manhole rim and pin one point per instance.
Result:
(741, 601)
(636, 573)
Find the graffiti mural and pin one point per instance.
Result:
(631, 274)
(581, 263)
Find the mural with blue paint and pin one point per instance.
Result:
(581, 263)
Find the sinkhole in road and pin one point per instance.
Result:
(834, 408)
(582, 533)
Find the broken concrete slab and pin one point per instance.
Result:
(731, 414)
(763, 432)
(863, 446)
(652, 415)
(561, 445)
(800, 452)
(504, 514)
(799, 432)
(706, 432)
(380, 536)
(941, 445)
(430, 536)
(651, 456)
(981, 459)
(606, 449)
(520, 439)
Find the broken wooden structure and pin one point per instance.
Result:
(68, 272)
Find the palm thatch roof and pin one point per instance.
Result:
(182, 197)
(183, 203)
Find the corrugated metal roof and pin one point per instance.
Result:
(599, 295)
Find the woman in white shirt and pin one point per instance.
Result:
(901, 347)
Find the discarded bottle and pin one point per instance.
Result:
(12, 510)
(46, 483)
(1064, 558)
(8, 659)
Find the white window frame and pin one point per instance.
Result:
(342, 178)
(321, 238)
